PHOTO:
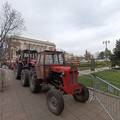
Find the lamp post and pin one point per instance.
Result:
(106, 42)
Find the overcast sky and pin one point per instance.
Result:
(73, 25)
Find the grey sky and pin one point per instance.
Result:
(74, 25)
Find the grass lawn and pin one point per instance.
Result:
(112, 77)
(86, 80)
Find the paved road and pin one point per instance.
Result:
(86, 72)
(18, 103)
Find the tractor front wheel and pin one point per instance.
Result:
(81, 96)
(35, 86)
(55, 101)
(25, 77)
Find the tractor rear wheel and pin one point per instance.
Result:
(55, 101)
(35, 86)
(81, 96)
(25, 77)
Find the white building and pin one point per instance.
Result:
(21, 43)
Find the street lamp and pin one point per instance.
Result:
(106, 42)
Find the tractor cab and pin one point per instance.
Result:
(26, 59)
(51, 57)
(49, 61)
(27, 55)
(51, 68)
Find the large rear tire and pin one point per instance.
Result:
(25, 77)
(81, 96)
(35, 86)
(55, 102)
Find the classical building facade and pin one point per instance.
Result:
(21, 43)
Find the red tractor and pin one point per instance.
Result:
(50, 69)
(25, 61)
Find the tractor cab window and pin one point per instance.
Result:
(25, 55)
(61, 58)
(41, 59)
(54, 59)
(19, 57)
(33, 55)
(48, 59)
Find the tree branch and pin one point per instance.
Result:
(12, 21)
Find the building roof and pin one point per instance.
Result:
(33, 40)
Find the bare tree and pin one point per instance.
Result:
(11, 23)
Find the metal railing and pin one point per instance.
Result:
(108, 96)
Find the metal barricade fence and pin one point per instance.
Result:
(108, 96)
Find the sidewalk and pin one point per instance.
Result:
(87, 72)
(18, 103)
